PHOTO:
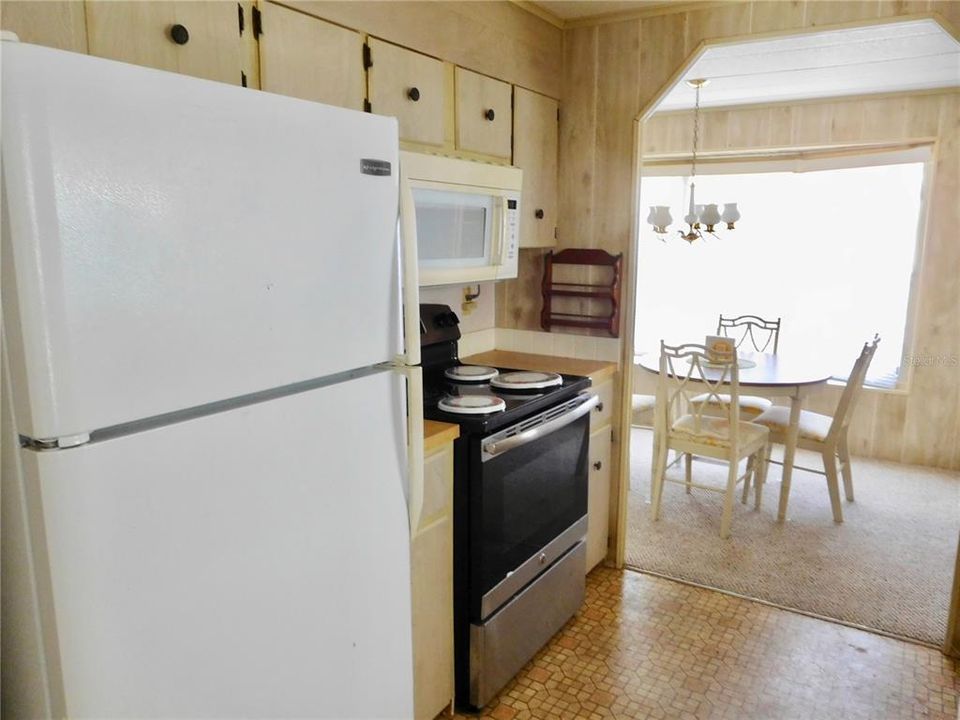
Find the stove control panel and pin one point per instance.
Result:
(438, 323)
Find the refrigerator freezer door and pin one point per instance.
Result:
(253, 563)
(171, 242)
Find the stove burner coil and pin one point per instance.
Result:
(470, 373)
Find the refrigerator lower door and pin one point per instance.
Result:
(253, 563)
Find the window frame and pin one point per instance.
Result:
(834, 158)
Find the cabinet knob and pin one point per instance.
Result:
(413, 93)
(597, 465)
(542, 558)
(538, 213)
(179, 34)
(490, 114)
(599, 407)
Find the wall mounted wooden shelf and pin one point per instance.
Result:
(551, 289)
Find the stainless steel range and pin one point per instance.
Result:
(520, 504)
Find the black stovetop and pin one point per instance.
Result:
(439, 333)
(518, 404)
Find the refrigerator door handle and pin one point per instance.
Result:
(415, 445)
(411, 274)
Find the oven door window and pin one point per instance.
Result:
(528, 496)
(454, 229)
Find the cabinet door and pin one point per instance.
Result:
(194, 38)
(308, 58)
(431, 562)
(603, 413)
(535, 138)
(58, 24)
(598, 498)
(409, 86)
(484, 119)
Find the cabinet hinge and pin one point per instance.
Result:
(367, 107)
(558, 114)
(256, 21)
(367, 57)
(243, 79)
(240, 18)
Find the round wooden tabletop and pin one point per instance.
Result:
(767, 370)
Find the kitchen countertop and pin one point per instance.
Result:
(436, 434)
(598, 370)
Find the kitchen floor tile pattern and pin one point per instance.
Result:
(645, 647)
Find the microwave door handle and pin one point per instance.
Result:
(496, 234)
(499, 447)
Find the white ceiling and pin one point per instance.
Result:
(892, 57)
(576, 9)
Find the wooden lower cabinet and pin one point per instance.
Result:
(431, 565)
(598, 496)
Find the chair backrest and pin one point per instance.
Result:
(761, 333)
(851, 393)
(686, 372)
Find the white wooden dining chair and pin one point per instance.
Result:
(824, 434)
(684, 426)
(749, 333)
(763, 335)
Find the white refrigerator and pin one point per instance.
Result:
(207, 459)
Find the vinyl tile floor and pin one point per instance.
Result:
(645, 647)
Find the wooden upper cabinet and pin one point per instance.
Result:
(535, 148)
(194, 38)
(308, 58)
(483, 114)
(41, 22)
(410, 87)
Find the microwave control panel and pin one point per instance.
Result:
(511, 227)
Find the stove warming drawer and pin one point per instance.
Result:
(503, 644)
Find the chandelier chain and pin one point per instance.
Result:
(696, 133)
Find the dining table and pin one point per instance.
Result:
(770, 376)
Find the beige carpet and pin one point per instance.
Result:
(887, 567)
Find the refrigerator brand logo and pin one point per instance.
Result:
(368, 166)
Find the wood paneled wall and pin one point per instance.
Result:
(494, 38)
(612, 71)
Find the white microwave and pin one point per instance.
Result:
(464, 217)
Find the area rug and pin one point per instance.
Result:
(887, 567)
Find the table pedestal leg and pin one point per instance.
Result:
(790, 449)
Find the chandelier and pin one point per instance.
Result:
(699, 218)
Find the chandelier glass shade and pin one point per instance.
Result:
(699, 218)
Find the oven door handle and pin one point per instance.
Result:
(499, 447)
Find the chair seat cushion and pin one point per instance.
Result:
(714, 430)
(812, 426)
(749, 402)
